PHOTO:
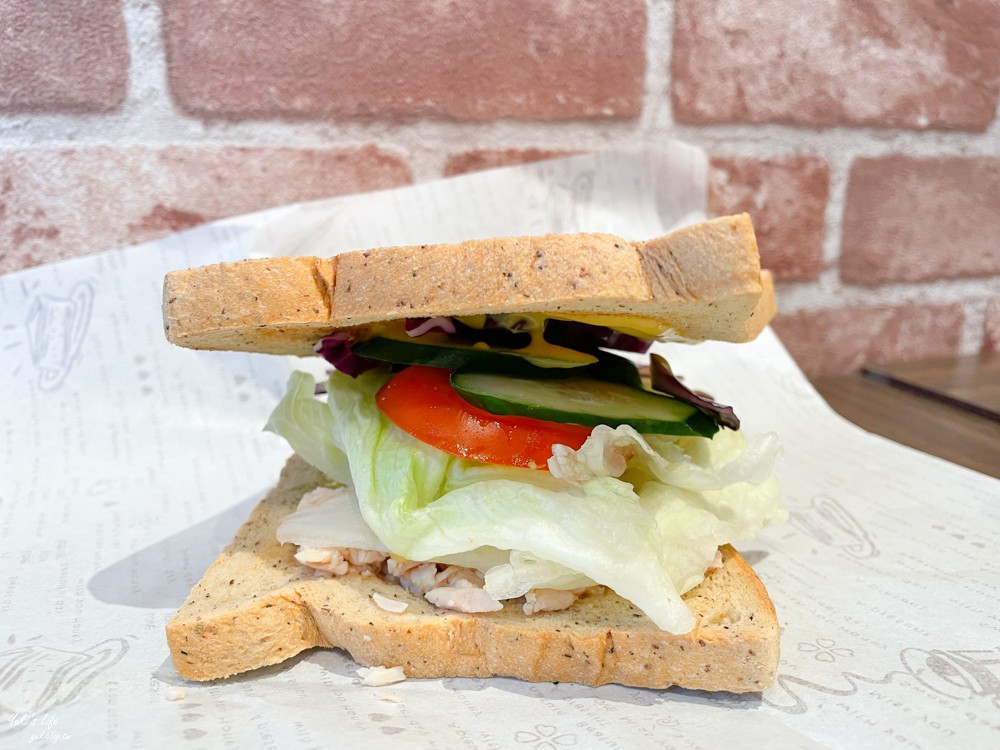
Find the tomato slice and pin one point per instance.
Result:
(420, 400)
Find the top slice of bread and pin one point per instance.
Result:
(257, 606)
(700, 282)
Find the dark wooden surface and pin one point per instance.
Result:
(917, 419)
(971, 383)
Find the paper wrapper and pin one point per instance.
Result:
(127, 464)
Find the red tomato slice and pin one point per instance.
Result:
(420, 400)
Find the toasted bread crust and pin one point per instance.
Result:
(256, 606)
(700, 282)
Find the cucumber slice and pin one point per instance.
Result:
(613, 368)
(438, 351)
(585, 401)
(598, 364)
(610, 367)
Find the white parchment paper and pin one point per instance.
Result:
(127, 464)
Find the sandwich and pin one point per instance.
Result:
(498, 477)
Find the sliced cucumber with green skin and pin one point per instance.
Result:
(613, 368)
(585, 401)
(439, 352)
(598, 364)
(610, 367)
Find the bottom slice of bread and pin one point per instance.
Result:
(257, 606)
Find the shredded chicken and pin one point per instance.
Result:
(417, 578)
(340, 561)
(451, 587)
(553, 600)
(463, 597)
(421, 578)
(547, 600)
(445, 586)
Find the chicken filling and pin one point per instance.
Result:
(445, 586)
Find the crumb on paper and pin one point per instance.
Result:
(389, 605)
(379, 676)
(174, 694)
(390, 697)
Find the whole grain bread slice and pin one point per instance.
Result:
(257, 606)
(700, 282)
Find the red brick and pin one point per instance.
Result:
(831, 342)
(542, 60)
(911, 219)
(786, 197)
(473, 161)
(911, 64)
(62, 56)
(992, 338)
(61, 203)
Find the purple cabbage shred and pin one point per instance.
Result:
(336, 349)
(663, 380)
(493, 333)
(586, 336)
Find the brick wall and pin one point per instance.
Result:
(863, 137)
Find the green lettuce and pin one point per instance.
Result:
(647, 527)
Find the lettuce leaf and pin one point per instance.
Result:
(308, 426)
(642, 515)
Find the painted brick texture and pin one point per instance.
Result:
(909, 64)
(473, 161)
(829, 342)
(786, 198)
(59, 203)
(62, 56)
(875, 201)
(992, 332)
(911, 219)
(381, 59)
